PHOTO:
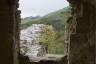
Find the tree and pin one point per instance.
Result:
(48, 37)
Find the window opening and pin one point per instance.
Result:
(42, 34)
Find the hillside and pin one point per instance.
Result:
(57, 19)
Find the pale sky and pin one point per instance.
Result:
(40, 7)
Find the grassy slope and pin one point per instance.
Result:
(57, 19)
(61, 14)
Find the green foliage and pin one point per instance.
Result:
(48, 37)
(58, 20)
(59, 41)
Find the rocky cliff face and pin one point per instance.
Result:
(29, 44)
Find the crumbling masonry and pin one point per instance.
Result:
(81, 28)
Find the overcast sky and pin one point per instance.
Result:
(40, 7)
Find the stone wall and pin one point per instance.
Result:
(17, 37)
(82, 31)
(7, 31)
